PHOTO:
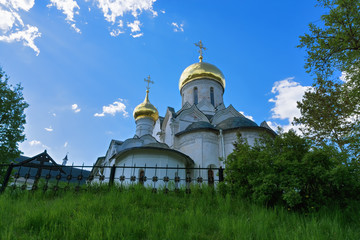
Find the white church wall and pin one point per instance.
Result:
(157, 130)
(169, 135)
(150, 160)
(201, 146)
(230, 137)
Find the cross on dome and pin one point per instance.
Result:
(148, 82)
(201, 48)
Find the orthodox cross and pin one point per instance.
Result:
(201, 48)
(148, 82)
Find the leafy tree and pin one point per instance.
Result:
(12, 119)
(330, 111)
(287, 170)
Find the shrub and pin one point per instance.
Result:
(287, 170)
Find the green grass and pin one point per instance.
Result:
(139, 214)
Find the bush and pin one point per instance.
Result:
(287, 170)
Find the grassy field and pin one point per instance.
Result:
(140, 214)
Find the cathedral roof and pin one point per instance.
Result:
(201, 70)
(236, 122)
(199, 125)
(146, 143)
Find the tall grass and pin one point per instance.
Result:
(140, 214)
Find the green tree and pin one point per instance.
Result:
(12, 119)
(287, 170)
(330, 111)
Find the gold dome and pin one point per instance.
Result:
(146, 110)
(201, 70)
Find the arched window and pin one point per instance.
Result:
(195, 95)
(212, 96)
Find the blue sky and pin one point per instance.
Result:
(82, 63)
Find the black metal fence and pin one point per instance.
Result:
(56, 177)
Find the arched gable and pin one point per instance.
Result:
(224, 114)
(206, 107)
(190, 115)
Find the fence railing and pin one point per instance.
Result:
(56, 177)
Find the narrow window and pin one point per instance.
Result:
(141, 177)
(212, 96)
(195, 95)
(210, 177)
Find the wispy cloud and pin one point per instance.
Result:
(34, 143)
(247, 116)
(112, 109)
(69, 8)
(178, 27)
(33, 147)
(12, 27)
(134, 26)
(66, 144)
(137, 35)
(287, 93)
(115, 9)
(112, 9)
(49, 129)
(75, 108)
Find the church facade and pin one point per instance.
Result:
(200, 134)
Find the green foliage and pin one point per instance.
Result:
(12, 119)
(137, 213)
(330, 111)
(287, 171)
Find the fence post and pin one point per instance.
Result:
(6, 178)
(112, 175)
(221, 174)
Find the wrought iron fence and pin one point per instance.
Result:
(56, 177)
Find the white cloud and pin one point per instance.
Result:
(115, 32)
(49, 129)
(247, 116)
(25, 5)
(134, 26)
(66, 144)
(178, 27)
(137, 35)
(75, 28)
(112, 109)
(115, 9)
(32, 148)
(27, 36)
(287, 93)
(112, 9)
(7, 20)
(162, 11)
(34, 143)
(69, 8)
(12, 26)
(75, 108)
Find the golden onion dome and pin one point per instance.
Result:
(201, 70)
(146, 110)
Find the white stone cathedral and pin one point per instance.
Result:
(200, 134)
